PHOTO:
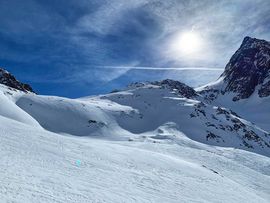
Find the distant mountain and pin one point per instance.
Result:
(9, 80)
(179, 87)
(248, 71)
(244, 86)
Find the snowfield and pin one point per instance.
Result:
(144, 144)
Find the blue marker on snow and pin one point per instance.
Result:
(78, 162)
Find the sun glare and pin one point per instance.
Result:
(186, 43)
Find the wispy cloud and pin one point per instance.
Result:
(159, 68)
(106, 74)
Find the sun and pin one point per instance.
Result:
(187, 43)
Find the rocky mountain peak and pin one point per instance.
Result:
(249, 69)
(180, 88)
(9, 80)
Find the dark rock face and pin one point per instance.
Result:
(264, 91)
(9, 80)
(180, 88)
(248, 69)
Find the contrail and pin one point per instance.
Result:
(159, 68)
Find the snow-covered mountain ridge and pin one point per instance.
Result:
(137, 111)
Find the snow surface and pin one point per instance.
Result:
(255, 109)
(139, 145)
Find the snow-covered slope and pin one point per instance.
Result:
(9, 109)
(40, 166)
(157, 162)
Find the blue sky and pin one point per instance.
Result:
(76, 48)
